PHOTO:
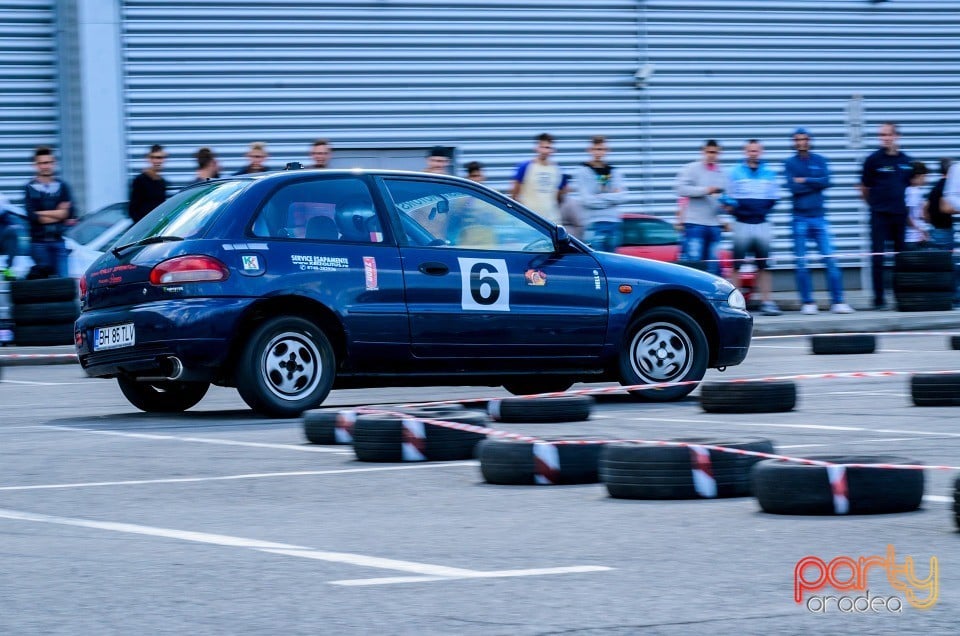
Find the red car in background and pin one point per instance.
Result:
(652, 237)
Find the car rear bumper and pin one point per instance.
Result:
(197, 332)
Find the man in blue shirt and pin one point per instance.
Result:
(883, 184)
(808, 175)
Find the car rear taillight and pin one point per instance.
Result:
(188, 269)
(83, 288)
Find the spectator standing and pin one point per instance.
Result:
(320, 153)
(438, 160)
(207, 165)
(700, 184)
(475, 172)
(883, 184)
(600, 192)
(256, 155)
(916, 235)
(753, 193)
(49, 206)
(538, 183)
(943, 208)
(808, 175)
(148, 189)
(10, 229)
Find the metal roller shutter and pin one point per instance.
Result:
(28, 89)
(485, 77)
(760, 68)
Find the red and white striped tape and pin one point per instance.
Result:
(546, 463)
(343, 427)
(703, 480)
(414, 441)
(838, 485)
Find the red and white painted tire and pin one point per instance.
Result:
(550, 461)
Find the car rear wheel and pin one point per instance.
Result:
(287, 367)
(162, 397)
(664, 345)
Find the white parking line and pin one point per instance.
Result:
(182, 480)
(206, 440)
(938, 498)
(428, 571)
(40, 383)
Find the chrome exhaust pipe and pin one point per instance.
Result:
(176, 370)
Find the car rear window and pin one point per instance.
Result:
(188, 213)
(649, 232)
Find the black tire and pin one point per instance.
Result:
(46, 313)
(922, 281)
(924, 301)
(513, 463)
(956, 502)
(563, 408)
(924, 261)
(162, 397)
(434, 408)
(532, 386)
(329, 427)
(287, 367)
(770, 396)
(846, 343)
(663, 345)
(790, 488)
(955, 343)
(45, 290)
(378, 438)
(632, 470)
(935, 389)
(43, 335)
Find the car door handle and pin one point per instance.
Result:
(434, 269)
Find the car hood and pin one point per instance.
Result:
(627, 268)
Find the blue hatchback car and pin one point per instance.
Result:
(290, 284)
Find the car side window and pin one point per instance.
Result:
(321, 210)
(448, 215)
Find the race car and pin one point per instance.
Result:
(290, 284)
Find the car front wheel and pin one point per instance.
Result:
(287, 367)
(664, 345)
(162, 397)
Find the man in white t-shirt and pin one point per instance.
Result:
(538, 183)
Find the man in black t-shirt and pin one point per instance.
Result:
(883, 184)
(148, 189)
(49, 206)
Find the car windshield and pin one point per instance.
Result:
(90, 226)
(187, 213)
(649, 232)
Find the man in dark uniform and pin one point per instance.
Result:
(883, 184)
(49, 206)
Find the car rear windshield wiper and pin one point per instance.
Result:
(117, 251)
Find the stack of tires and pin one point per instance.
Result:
(44, 311)
(923, 280)
(6, 317)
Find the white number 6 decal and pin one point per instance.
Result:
(484, 284)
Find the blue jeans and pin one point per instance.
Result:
(51, 255)
(603, 235)
(700, 244)
(944, 240)
(817, 229)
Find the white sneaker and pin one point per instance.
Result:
(809, 309)
(842, 308)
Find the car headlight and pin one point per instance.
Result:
(736, 300)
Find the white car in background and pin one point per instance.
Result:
(92, 235)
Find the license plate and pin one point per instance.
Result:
(114, 337)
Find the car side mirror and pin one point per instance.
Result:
(561, 238)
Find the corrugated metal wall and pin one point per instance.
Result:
(760, 68)
(28, 89)
(483, 76)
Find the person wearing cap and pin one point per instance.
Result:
(807, 175)
(148, 189)
(438, 160)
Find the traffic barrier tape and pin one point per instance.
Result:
(838, 485)
(414, 444)
(343, 427)
(703, 480)
(546, 463)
